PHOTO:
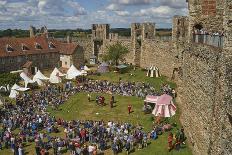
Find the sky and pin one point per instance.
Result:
(72, 14)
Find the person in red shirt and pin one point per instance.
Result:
(129, 108)
(170, 139)
(83, 135)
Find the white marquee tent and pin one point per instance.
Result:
(72, 73)
(26, 79)
(39, 77)
(15, 90)
(55, 76)
(153, 72)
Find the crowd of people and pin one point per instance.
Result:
(85, 137)
(137, 89)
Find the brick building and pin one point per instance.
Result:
(36, 52)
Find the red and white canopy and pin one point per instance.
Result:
(151, 99)
(164, 106)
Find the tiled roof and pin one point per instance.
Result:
(65, 48)
(16, 44)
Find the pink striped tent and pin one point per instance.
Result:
(164, 106)
(151, 99)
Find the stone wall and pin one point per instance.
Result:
(87, 47)
(158, 53)
(201, 96)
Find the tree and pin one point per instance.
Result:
(8, 78)
(116, 53)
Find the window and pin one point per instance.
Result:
(65, 63)
(9, 48)
(51, 45)
(19, 59)
(38, 46)
(24, 47)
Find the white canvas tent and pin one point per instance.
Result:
(55, 76)
(15, 90)
(26, 79)
(72, 73)
(39, 77)
(153, 72)
(86, 68)
(84, 72)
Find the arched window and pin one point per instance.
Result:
(198, 27)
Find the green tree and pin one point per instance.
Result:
(116, 53)
(8, 78)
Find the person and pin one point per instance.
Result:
(170, 139)
(129, 108)
(112, 98)
(111, 103)
(89, 97)
(114, 148)
(177, 142)
(20, 150)
(182, 136)
(158, 119)
(127, 146)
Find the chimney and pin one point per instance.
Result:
(69, 39)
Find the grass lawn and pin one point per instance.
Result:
(138, 76)
(78, 107)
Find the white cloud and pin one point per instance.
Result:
(113, 7)
(174, 3)
(122, 13)
(133, 2)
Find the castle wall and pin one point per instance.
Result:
(158, 53)
(201, 96)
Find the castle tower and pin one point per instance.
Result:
(179, 34)
(139, 33)
(136, 41)
(148, 30)
(180, 28)
(100, 32)
(32, 31)
(206, 15)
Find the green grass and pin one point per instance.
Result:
(78, 107)
(138, 76)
